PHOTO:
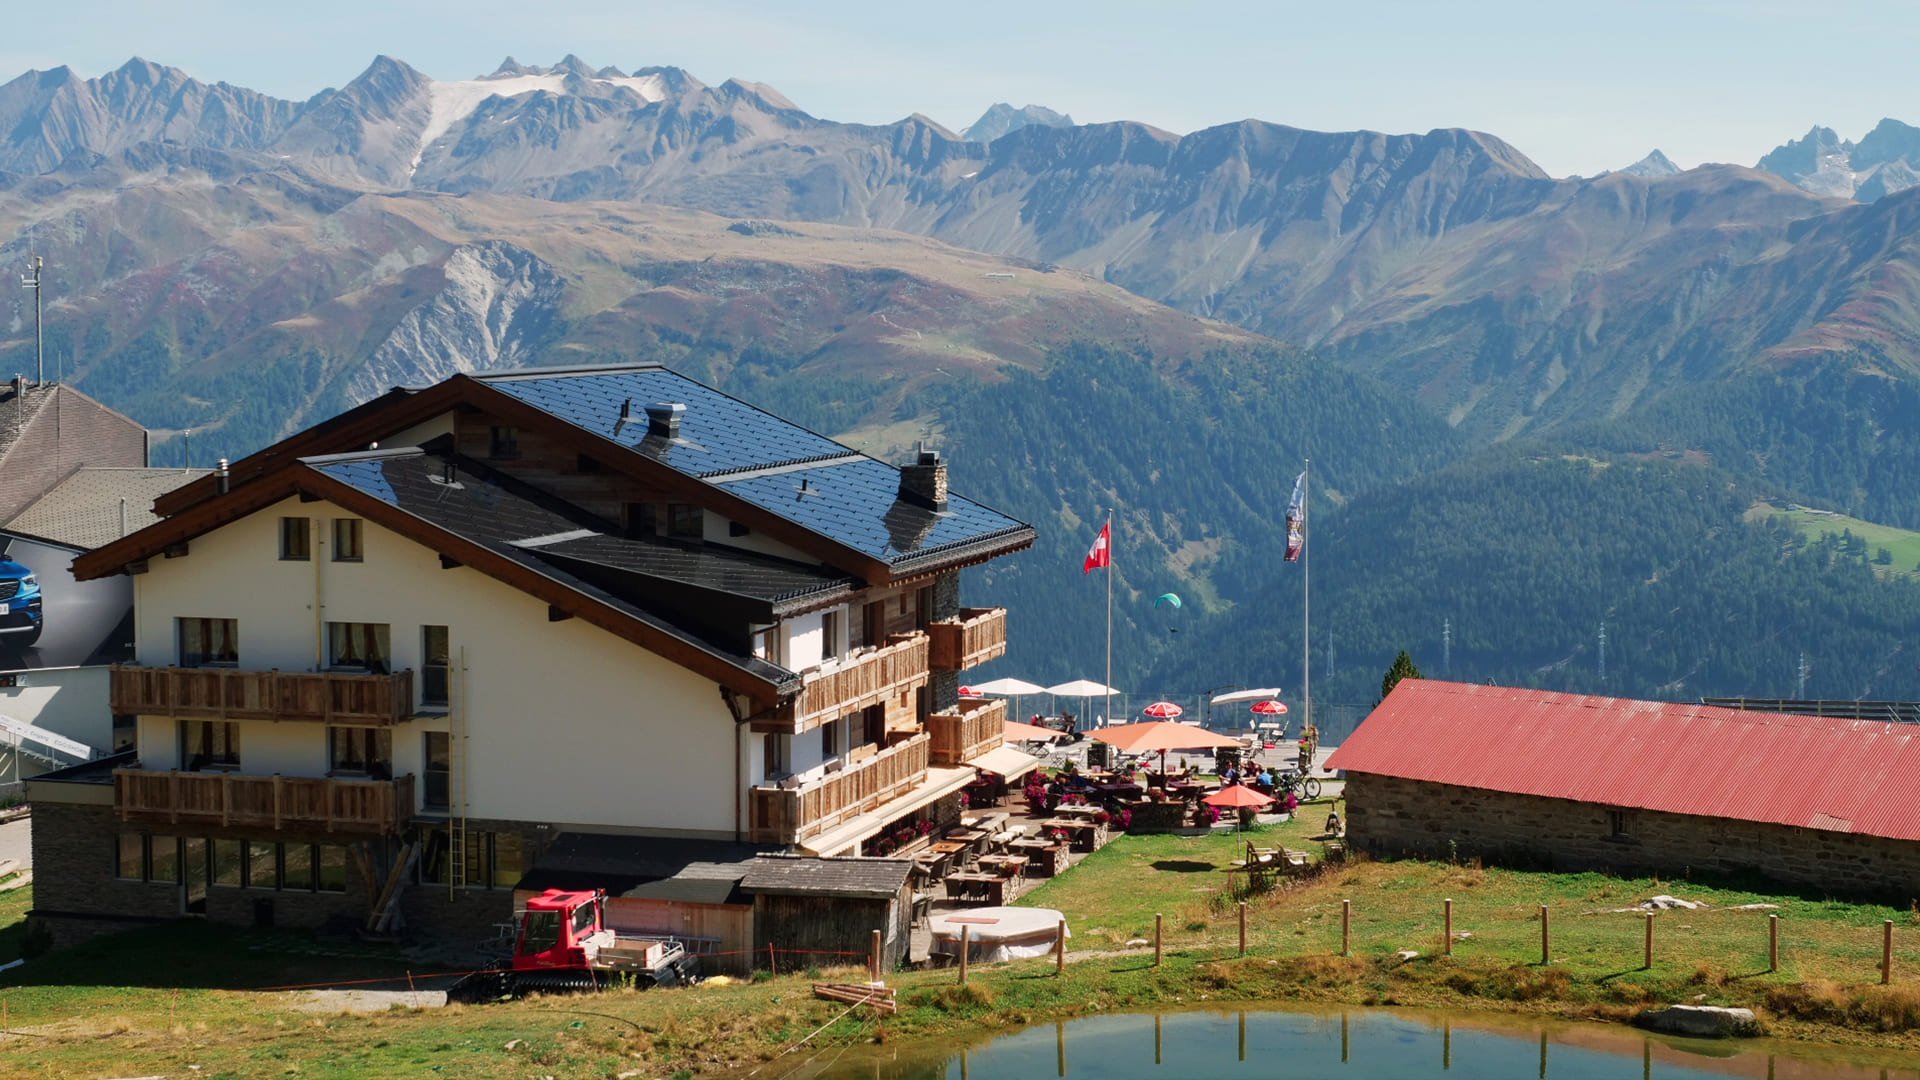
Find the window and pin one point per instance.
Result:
(362, 646)
(206, 642)
(830, 739)
(209, 744)
(126, 729)
(1617, 824)
(774, 753)
(638, 518)
(296, 539)
(830, 635)
(130, 856)
(433, 665)
(766, 644)
(508, 860)
(229, 858)
(438, 771)
(347, 540)
(297, 867)
(163, 865)
(263, 865)
(331, 867)
(368, 751)
(686, 521)
(503, 442)
(541, 932)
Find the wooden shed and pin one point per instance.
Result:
(826, 909)
(685, 889)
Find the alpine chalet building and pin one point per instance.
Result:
(385, 663)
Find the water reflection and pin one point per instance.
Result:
(1370, 1044)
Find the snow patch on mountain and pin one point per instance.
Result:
(454, 100)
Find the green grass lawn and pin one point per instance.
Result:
(13, 922)
(1902, 544)
(110, 1008)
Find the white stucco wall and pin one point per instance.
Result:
(802, 642)
(565, 723)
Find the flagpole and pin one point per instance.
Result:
(1107, 711)
(1306, 609)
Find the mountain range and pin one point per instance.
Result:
(242, 265)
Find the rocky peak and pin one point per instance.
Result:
(1655, 164)
(1001, 118)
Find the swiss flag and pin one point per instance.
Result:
(1098, 556)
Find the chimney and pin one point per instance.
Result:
(221, 479)
(663, 419)
(924, 481)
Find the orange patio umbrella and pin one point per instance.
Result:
(1237, 796)
(1019, 732)
(1160, 736)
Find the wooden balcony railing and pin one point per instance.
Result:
(782, 815)
(977, 636)
(238, 800)
(840, 687)
(969, 731)
(230, 694)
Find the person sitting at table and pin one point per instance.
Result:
(1266, 779)
(1231, 776)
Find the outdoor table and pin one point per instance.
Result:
(970, 885)
(1086, 835)
(948, 847)
(1044, 857)
(1005, 865)
(1078, 812)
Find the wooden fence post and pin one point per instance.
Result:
(873, 959)
(1156, 938)
(1773, 943)
(1886, 953)
(1546, 940)
(1446, 943)
(773, 959)
(966, 936)
(1346, 928)
(1646, 963)
(1243, 928)
(1060, 950)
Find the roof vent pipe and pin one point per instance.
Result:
(221, 473)
(663, 419)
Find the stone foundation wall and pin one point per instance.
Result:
(1393, 816)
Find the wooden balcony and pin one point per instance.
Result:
(267, 803)
(971, 730)
(977, 636)
(837, 688)
(783, 815)
(230, 694)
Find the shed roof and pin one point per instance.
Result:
(1841, 775)
(643, 867)
(801, 875)
(84, 510)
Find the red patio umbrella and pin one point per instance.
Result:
(1162, 710)
(1268, 708)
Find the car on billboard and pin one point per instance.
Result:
(21, 619)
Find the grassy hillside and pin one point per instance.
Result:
(1864, 538)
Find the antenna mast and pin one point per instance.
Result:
(31, 280)
(1603, 650)
(1446, 646)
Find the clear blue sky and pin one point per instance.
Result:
(1579, 87)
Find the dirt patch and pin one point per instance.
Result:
(366, 1001)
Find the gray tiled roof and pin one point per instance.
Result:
(804, 477)
(16, 409)
(84, 510)
(536, 531)
(644, 867)
(800, 875)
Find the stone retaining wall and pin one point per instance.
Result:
(1392, 816)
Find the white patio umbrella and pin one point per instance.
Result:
(1083, 688)
(1247, 695)
(1013, 688)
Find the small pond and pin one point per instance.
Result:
(1361, 1044)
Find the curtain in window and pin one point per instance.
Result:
(361, 750)
(206, 744)
(359, 645)
(209, 641)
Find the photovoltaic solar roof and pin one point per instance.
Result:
(856, 501)
(718, 434)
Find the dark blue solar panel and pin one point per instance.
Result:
(856, 502)
(717, 433)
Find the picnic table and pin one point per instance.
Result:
(1044, 857)
(977, 887)
(1007, 866)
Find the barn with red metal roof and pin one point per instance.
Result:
(1570, 780)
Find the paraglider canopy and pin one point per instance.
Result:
(1168, 598)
